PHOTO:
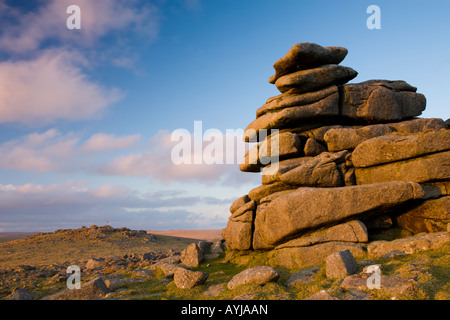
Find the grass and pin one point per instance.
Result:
(431, 269)
(220, 272)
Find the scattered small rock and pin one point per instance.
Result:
(247, 296)
(21, 294)
(391, 284)
(204, 246)
(365, 262)
(214, 290)
(192, 255)
(217, 247)
(419, 242)
(115, 283)
(321, 295)
(302, 276)
(168, 268)
(176, 258)
(25, 268)
(148, 274)
(94, 263)
(186, 279)
(94, 289)
(372, 268)
(340, 264)
(257, 275)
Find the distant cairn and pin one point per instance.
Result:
(350, 158)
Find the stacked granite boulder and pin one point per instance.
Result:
(350, 158)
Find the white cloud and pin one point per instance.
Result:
(49, 88)
(31, 29)
(44, 79)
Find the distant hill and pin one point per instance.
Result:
(9, 236)
(72, 245)
(209, 235)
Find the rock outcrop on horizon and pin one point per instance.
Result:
(345, 158)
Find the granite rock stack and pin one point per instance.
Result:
(350, 158)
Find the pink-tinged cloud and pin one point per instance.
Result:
(43, 152)
(106, 142)
(54, 151)
(109, 191)
(49, 88)
(157, 163)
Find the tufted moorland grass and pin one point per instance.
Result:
(430, 268)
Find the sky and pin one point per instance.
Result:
(87, 115)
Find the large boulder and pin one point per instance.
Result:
(393, 148)
(262, 191)
(239, 202)
(244, 213)
(352, 231)
(339, 138)
(272, 173)
(289, 99)
(311, 208)
(238, 235)
(264, 201)
(319, 132)
(238, 232)
(432, 167)
(306, 56)
(313, 148)
(321, 171)
(431, 216)
(436, 189)
(380, 101)
(315, 79)
(299, 257)
(274, 148)
(293, 116)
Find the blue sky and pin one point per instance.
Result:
(86, 115)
